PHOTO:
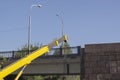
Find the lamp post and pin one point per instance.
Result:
(61, 23)
(29, 28)
(62, 45)
(61, 27)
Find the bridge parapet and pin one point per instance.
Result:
(9, 55)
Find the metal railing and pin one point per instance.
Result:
(53, 51)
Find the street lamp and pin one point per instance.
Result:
(29, 28)
(62, 45)
(61, 23)
(62, 27)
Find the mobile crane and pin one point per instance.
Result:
(23, 62)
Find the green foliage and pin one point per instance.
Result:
(24, 50)
(32, 47)
(72, 77)
(33, 77)
(3, 61)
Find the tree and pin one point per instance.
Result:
(3, 61)
(24, 50)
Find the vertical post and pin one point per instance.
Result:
(61, 23)
(78, 50)
(82, 64)
(68, 69)
(29, 33)
(61, 30)
(61, 51)
(13, 54)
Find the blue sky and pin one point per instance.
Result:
(85, 22)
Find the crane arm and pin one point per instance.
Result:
(29, 58)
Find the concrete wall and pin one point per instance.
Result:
(101, 62)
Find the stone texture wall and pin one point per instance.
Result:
(102, 62)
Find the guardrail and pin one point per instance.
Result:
(53, 51)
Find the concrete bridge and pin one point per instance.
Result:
(53, 64)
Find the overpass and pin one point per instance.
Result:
(55, 63)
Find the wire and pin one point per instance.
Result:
(13, 29)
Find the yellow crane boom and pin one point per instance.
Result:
(30, 57)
